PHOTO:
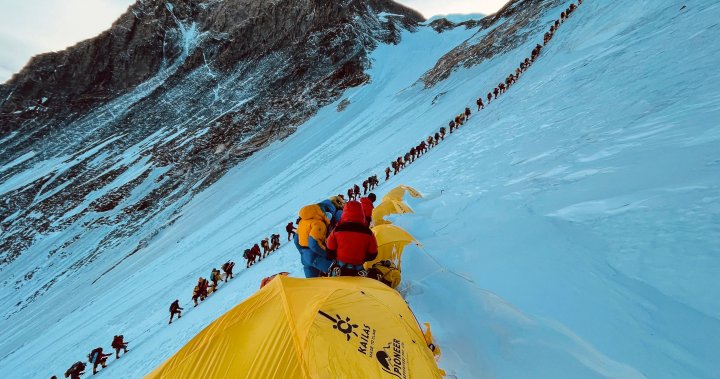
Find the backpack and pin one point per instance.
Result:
(386, 272)
(117, 342)
(76, 367)
(92, 357)
(246, 254)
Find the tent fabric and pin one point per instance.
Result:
(390, 233)
(398, 193)
(392, 240)
(343, 327)
(388, 207)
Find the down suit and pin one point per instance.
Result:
(310, 237)
(352, 243)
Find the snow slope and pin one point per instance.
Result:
(571, 229)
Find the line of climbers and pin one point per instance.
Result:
(334, 236)
(433, 140)
(97, 357)
(368, 185)
(204, 287)
(269, 245)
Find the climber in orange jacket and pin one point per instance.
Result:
(312, 230)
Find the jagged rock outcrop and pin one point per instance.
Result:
(119, 131)
(442, 24)
(502, 31)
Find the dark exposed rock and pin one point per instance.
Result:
(442, 24)
(123, 129)
(511, 26)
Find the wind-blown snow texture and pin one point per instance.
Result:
(570, 230)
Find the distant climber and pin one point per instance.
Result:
(216, 278)
(175, 309)
(373, 181)
(442, 133)
(227, 268)
(468, 112)
(479, 103)
(351, 243)
(290, 229)
(249, 257)
(118, 343)
(365, 186)
(489, 97)
(356, 191)
(496, 91)
(196, 295)
(98, 358)
(76, 370)
(274, 242)
(387, 173)
(350, 193)
(368, 206)
(255, 250)
(265, 243)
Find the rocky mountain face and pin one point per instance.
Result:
(506, 29)
(102, 143)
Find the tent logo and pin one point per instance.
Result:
(392, 359)
(344, 326)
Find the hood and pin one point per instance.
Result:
(329, 206)
(313, 212)
(353, 212)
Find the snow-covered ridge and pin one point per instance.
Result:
(575, 217)
(98, 174)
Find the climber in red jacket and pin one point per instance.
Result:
(367, 207)
(352, 243)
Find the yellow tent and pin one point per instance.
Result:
(345, 327)
(391, 242)
(388, 207)
(398, 193)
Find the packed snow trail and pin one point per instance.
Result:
(584, 241)
(534, 55)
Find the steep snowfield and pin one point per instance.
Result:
(571, 229)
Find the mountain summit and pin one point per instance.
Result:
(128, 125)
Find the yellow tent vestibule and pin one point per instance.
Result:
(398, 193)
(391, 240)
(388, 207)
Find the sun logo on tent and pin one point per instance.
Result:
(344, 326)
